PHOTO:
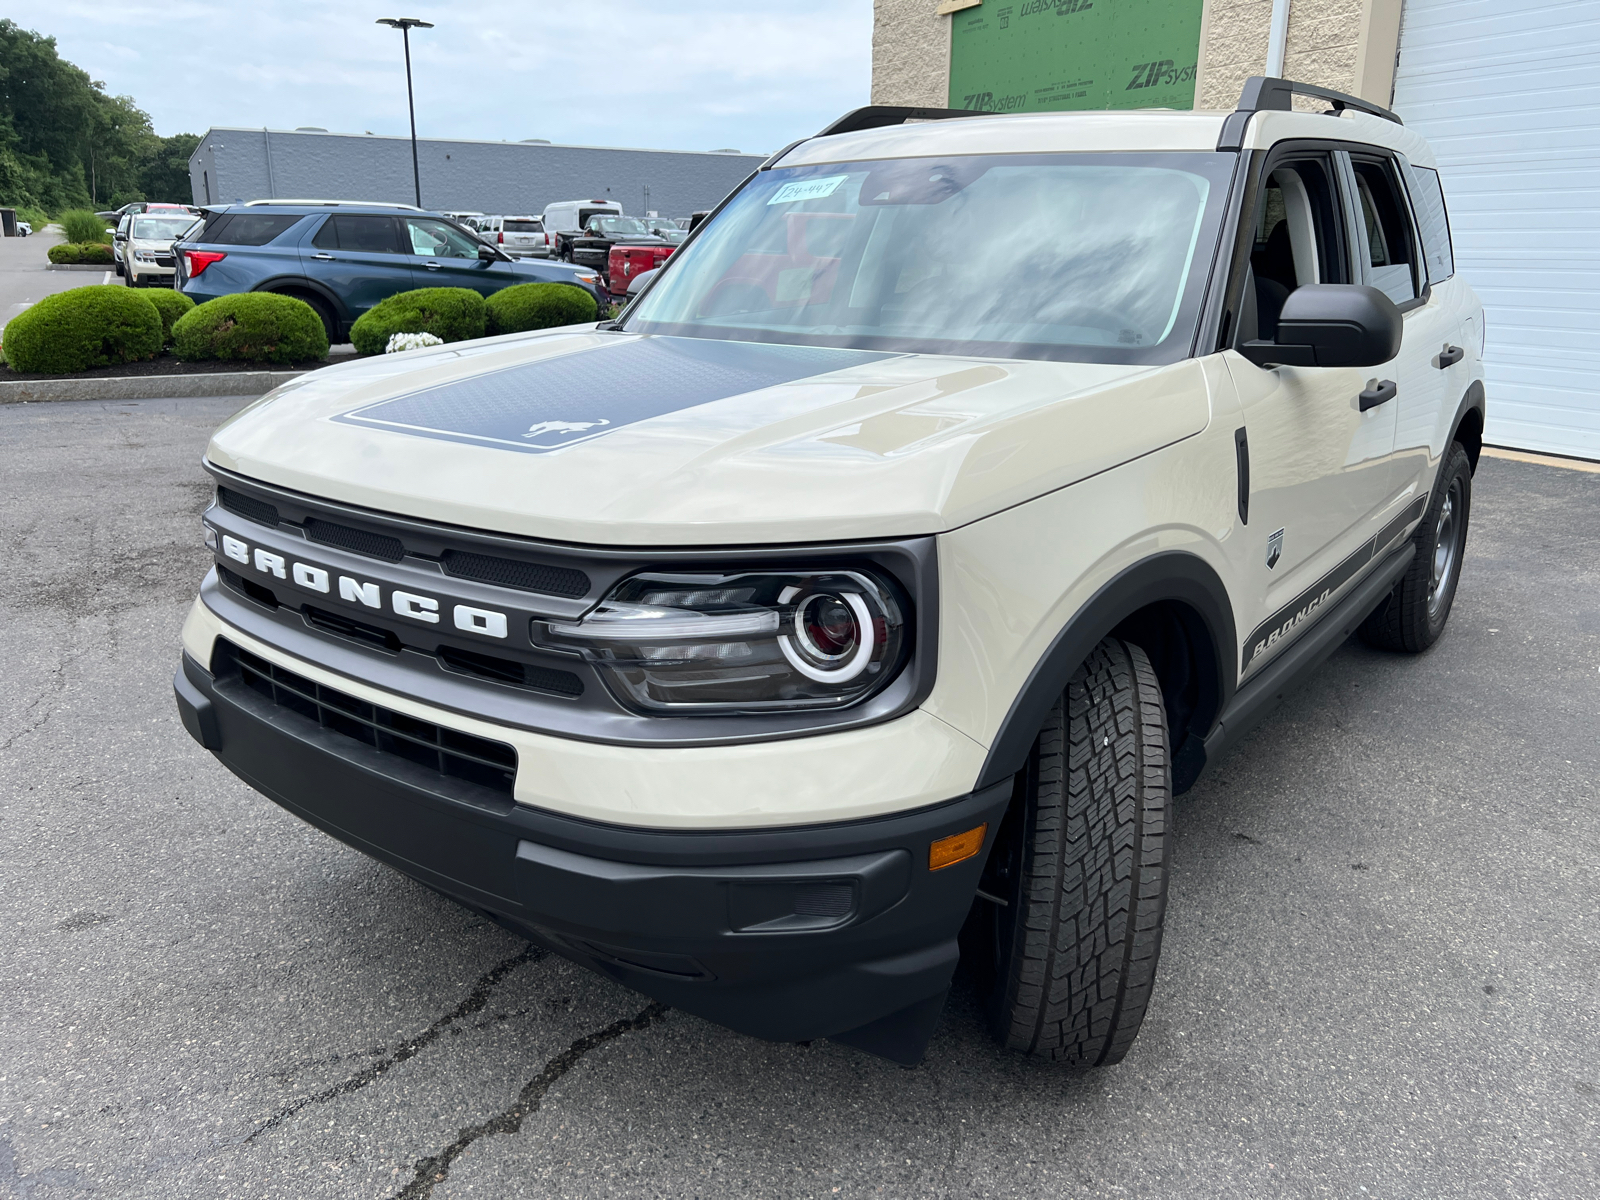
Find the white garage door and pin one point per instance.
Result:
(1508, 93)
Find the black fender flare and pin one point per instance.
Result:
(302, 283)
(1175, 575)
(1473, 398)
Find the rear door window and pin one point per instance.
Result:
(1390, 247)
(358, 232)
(249, 229)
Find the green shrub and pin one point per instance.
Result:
(81, 328)
(253, 327)
(525, 306)
(450, 314)
(81, 225)
(92, 253)
(171, 305)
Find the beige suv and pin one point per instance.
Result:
(859, 598)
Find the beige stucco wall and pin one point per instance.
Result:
(1345, 44)
(910, 54)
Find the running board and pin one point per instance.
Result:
(1259, 698)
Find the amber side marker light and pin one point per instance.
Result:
(958, 847)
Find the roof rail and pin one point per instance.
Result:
(333, 204)
(1263, 93)
(876, 116)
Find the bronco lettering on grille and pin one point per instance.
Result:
(363, 593)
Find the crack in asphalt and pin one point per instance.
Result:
(476, 999)
(431, 1171)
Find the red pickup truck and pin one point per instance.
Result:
(627, 262)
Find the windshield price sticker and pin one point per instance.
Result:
(807, 189)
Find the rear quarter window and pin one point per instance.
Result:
(1433, 222)
(248, 229)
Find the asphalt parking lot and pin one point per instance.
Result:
(1381, 975)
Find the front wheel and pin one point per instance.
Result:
(1412, 617)
(1081, 867)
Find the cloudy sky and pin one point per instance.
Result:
(667, 74)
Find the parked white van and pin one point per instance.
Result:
(566, 217)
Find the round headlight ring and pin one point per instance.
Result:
(813, 661)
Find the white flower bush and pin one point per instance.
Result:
(411, 341)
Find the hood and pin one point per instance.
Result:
(607, 438)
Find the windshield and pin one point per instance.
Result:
(620, 225)
(1088, 257)
(161, 229)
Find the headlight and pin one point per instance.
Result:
(750, 642)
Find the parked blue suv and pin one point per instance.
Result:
(342, 258)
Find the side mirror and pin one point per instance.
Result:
(488, 254)
(1332, 325)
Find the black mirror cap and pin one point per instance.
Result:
(1332, 325)
(488, 254)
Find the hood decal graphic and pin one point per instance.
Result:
(558, 402)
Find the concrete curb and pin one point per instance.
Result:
(101, 267)
(144, 387)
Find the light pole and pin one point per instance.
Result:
(405, 25)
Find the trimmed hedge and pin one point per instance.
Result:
(81, 225)
(526, 306)
(92, 253)
(252, 327)
(171, 305)
(450, 314)
(85, 327)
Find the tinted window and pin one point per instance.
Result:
(435, 239)
(358, 232)
(1296, 242)
(1388, 229)
(248, 229)
(523, 227)
(1433, 224)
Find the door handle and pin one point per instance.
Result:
(323, 257)
(433, 266)
(1449, 356)
(1379, 391)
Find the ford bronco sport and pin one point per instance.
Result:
(863, 594)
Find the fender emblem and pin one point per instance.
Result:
(1274, 549)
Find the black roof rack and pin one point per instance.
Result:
(875, 116)
(1263, 93)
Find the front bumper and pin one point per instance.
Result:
(836, 930)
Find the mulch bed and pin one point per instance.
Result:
(167, 365)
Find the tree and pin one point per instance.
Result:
(65, 143)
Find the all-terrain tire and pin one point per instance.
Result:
(1078, 941)
(1412, 617)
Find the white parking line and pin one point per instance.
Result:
(106, 278)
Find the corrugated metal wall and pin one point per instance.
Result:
(490, 177)
(1508, 93)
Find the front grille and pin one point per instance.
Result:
(261, 595)
(506, 670)
(358, 541)
(456, 755)
(508, 572)
(248, 507)
(350, 629)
